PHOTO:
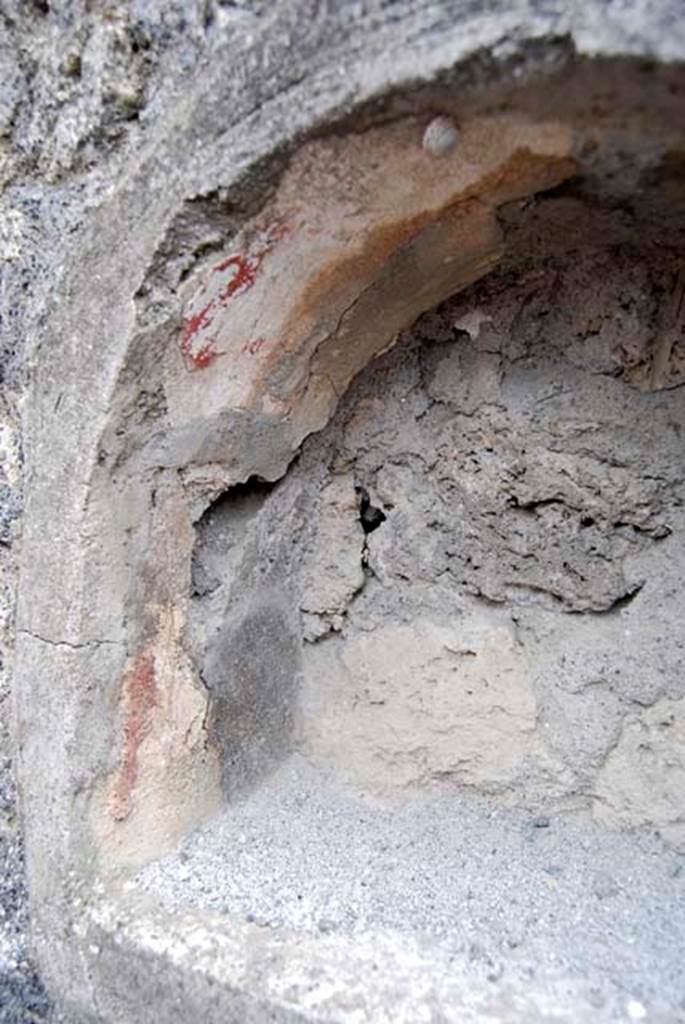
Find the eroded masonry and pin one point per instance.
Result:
(389, 500)
(461, 570)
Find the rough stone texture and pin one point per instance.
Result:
(410, 704)
(364, 231)
(641, 782)
(77, 83)
(513, 622)
(251, 677)
(22, 997)
(336, 572)
(139, 141)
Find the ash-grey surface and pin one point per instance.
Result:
(80, 87)
(529, 470)
(514, 899)
(85, 87)
(526, 462)
(23, 999)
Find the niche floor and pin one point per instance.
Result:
(592, 923)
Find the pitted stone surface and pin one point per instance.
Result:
(138, 144)
(364, 232)
(406, 705)
(513, 621)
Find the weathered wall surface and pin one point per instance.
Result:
(78, 92)
(513, 623)
(81, 86)
(128, 132)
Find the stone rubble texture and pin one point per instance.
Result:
(145, 143)
(508, 623)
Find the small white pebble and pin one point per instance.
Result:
(636, 1011)
(441, 136)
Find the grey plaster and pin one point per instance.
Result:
(530, 482)
(252, 677)
(575, 921)
(111, 125)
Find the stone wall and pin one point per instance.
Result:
(141, 145)
(509, 620)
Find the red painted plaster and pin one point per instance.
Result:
(243, 268)
(139, 698)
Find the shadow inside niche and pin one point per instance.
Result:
(247, 639)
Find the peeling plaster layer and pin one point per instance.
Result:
(516, 605)
(108, 208)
